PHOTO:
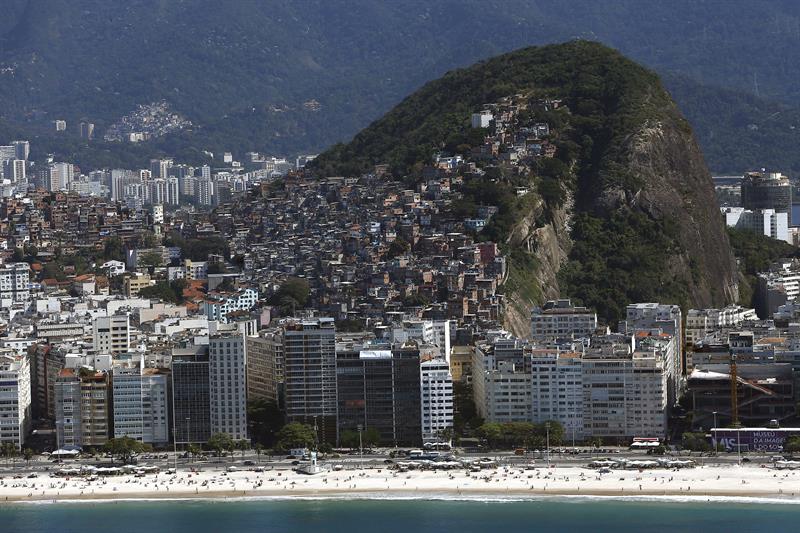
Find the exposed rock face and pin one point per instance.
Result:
(678, 188)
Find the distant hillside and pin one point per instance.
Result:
(738, 131)
(620, 215)
(241, 71)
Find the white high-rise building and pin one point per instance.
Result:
(204, 191)
(61, 175)
(140, 404)
(157, 191)
(15, 400)
(768, 222)
(501, 381)
(436, 399)
(618, 387)
(425, 332)
(173, 191)
(559, 319)
(15, 282)
(22, 149)
(557, 389)
(7, 151)
(14, 170)
(111, 334)
(227, 361)
(701, 322)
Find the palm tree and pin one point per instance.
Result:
(258, 449)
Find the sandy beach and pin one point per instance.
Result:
(709, 481)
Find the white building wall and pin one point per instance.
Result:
(436, 389)
(15, 400)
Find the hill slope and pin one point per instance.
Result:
(228, 65)
(621, 214)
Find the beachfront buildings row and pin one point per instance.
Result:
(402, 389)
(611, 386)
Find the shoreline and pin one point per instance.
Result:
(704, 483)
(476, 497)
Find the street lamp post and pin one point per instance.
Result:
(360, 448)
(739, 442)
(547, 444)
(174, 437)
(316, 435)
(714, 432)
(187, 434)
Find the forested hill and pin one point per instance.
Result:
(626, 196)
(247, 73)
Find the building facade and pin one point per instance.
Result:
(227, 359)
(310, 374)
(15, 400)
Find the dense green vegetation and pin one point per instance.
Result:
(524, 434)
(738, 131)
(754, 253)
(168, 291)
(621, 259)
(245, 89)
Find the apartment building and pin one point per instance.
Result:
(191, 405)
(227, 359)
(111, 334)
(378, 387)
(559, 319)
(436, 392)
(140, 403)
(702, 322)
(310, 374)
(15, 282)
(82, 408)
(15, 400)
(265, 366)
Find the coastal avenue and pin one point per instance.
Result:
(250, 460)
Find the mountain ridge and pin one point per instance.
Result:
(211, 59)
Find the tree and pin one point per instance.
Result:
(792, 445)
(220, 442)
(8, 450)
(113, 249)
(296, 435)
(150, 260)
(259, 449)
(243, 445)
(370, 437)
(124, 448)
(492, 432)
(695, 442)
(27, 454)
(349, 439)
(265, 420)
(292, 295)
(194, 450)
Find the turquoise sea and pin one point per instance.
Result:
(317, 516)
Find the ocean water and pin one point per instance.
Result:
(406, 516)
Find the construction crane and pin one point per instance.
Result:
(734, 395)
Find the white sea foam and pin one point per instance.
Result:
(428, 497)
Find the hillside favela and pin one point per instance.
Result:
(349, 266)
